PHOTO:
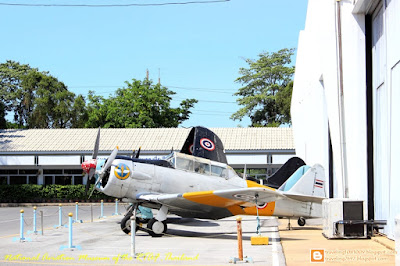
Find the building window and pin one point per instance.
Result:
(73, 171)
(8, 172)
(17, 180)
(63, 180)
(52, 172)
(33, 180)
(48, 180)
(78, 180)
(3, 180)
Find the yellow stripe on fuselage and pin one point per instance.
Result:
(208, 198)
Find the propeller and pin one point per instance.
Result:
(105, 168)
(89, 167)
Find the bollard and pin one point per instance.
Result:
(91, 213)
(59, 217)
(70, 246)
(41, 221)
(133, 232)
(21, 237)
(102, 209)
(240, 243)
(116, 208)
(239, 237)
(34, 231)
(76, 214)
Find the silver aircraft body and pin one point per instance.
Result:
(199, 187)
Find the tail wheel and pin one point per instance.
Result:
(301, 221)
(156, 228)
(126, 224)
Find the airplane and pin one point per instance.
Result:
(197, 182)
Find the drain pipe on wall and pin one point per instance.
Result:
(342, 123)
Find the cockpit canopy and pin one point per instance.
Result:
(200, 165)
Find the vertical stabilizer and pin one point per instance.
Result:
(202, 142)
(306, 181)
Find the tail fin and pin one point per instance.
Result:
(306, 184)
(283, 173)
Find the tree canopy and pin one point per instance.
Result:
(38, 100)
(267, 89)
(139, 104)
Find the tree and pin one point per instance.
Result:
(140, 105)
(266, 92)
(13, 97)
(37, 99)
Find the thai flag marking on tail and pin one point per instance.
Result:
(319, 183)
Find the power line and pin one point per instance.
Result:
(114, 5)
(168, 86)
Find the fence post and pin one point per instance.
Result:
(116, 208)
(70, 246)
(133, 232)
(91, 213)
(102, 209)
(34, 231)
(76, 214)
(41, 221)
(21, 237)
(59, 216)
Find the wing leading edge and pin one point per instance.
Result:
(236, 201)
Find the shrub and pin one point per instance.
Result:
(35, 193)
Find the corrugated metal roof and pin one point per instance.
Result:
(150, 139)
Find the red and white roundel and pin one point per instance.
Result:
(262, 206)
(207, 144)
(191, 149)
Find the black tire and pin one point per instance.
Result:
(301, 221)
(126, 224)
(150, 227)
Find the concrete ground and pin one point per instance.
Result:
(298, 243)
(187, 242)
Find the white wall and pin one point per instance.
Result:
(315, 101)
(17, 160)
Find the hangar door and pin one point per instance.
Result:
(381, 116)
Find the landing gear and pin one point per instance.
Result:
(156, 228)
(126, 223)
(301, 221)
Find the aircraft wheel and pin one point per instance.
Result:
(157, 228)
(301, 221)
(126, 224)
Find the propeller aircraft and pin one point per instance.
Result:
(197, 182)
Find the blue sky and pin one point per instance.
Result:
(198, 48)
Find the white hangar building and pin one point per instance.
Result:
(54, 156)
(345, 104)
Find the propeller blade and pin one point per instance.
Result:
(95, 185)
(87, 185)
(96, 145)
(138, 152)
(109, 161)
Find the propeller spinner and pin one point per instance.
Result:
(89, 166)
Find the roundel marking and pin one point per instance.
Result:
(244, 197)
(262, 206)
(122, 171)
(191, 149)
(207, 144)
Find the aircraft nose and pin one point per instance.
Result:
(87, 165)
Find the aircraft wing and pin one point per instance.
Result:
(246, 197)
